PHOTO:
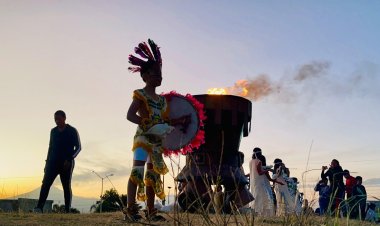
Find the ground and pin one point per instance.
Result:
(173, 219)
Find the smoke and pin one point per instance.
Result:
(365, 80)
(255, 88)
(262, 86)
(312, 70)
(308, 81)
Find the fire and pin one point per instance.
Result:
(240, 88)
(244, 92)
(253, 89)
(217, 91)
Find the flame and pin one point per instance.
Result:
(244, 92)
(217, 91)
(241, 88)
(261, 86)
(253, 89)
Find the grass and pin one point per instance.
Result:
(116, 218)
(176, 218)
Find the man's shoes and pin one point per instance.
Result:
(153, 216)
(37, 210)
(131, 213)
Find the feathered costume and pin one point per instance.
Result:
(153, 129)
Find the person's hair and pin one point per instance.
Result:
(60, 113)
(276, 164)
(258, 155)
(262, 159)
(256, 152)
(346, 172)
(336, 161)
(359, 178)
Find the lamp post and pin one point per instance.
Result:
(303, 173)
(101, 192)
(303, 179)
(169, 194)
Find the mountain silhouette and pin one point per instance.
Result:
(372, 181)
(81, 203)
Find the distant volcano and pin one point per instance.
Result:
(81, 203)
(372, 181)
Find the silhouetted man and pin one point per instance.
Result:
(335, 176)
(64, 146)
(359, 195)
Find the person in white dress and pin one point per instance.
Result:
(285, 202)
(263, 204)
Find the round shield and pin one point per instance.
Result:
(179, 106)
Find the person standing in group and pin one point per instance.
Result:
(285, 202)
(260, 186)
(64, 146)
(335, 176)
(350, 183)
(359, 195)
(324, 195)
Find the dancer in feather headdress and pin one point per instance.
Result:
(150, 111)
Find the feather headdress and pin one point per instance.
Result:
(151, 55)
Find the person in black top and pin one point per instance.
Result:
(359, 195)
(335, 176)
(64, 146)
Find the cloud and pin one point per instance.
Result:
(102, 164)
(87, 175)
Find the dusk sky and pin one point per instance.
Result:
(321, 59)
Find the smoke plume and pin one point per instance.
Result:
(261, 86)
(308, 81)
(312, 70)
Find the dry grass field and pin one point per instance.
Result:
(172, 219)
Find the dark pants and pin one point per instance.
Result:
(336, 197)
(52, 170)
(323, 205)
(358, 209)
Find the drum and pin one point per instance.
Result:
(184, 139)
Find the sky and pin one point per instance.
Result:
(320, 59)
